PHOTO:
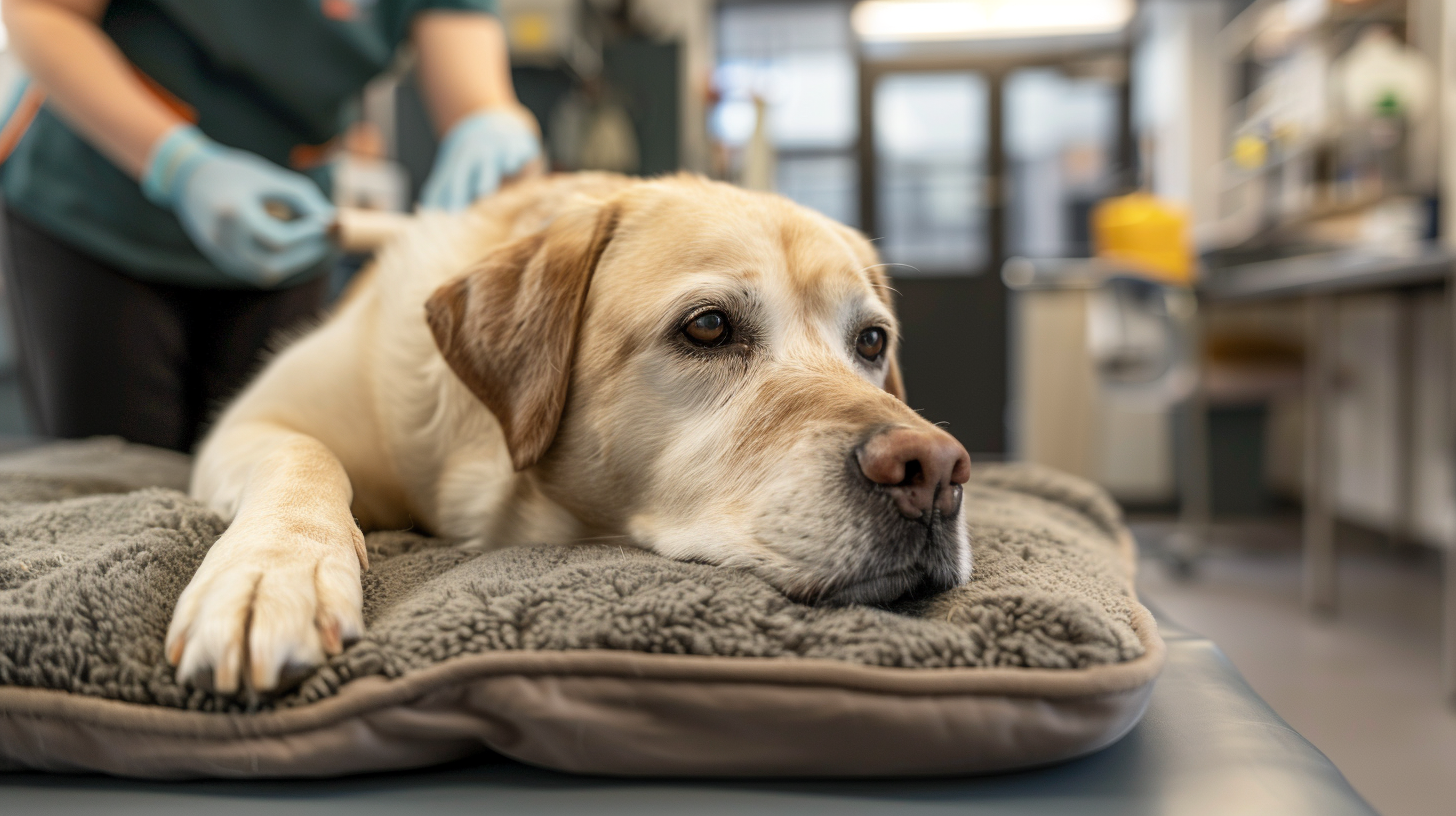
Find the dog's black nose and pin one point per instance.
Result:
(922, 468)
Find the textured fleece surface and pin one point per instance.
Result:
(89, 576)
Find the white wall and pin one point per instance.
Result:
(1365, 409)
(1432, 504)
(1180, 100)
(1368, 455)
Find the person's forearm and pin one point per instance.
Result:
(463, 66)
(87, 79)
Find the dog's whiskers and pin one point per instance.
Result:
(876, 266)
(594, 539)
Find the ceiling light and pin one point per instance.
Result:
(919, 20)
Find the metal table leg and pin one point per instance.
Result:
(1448, 629)
(1188, 542)
(1195, 503)
(1403, 526)
(1448, 585)
(1320, 578)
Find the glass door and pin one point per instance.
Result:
(929, 164)
(931, 132)
(1061, 135)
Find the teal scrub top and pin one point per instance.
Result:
(274, 77)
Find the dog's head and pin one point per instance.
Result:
(713, 372)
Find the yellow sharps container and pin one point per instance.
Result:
(1147, 234)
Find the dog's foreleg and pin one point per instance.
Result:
(279, 590)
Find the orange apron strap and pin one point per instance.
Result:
(167, 98)
(307, 156)
(19, 120)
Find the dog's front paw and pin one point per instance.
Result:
(271, 598)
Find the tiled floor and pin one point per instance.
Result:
(1362, 686)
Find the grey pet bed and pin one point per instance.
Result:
(590, 658)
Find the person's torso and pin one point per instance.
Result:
(274, 77)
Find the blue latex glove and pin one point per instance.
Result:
(222, 196)
(477, 153)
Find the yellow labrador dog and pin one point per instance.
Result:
(707, 372)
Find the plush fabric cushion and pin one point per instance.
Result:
(590, 658)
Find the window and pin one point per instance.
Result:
(798, 58)
(930, 144)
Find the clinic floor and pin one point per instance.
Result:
(1362, 686)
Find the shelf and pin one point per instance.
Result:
(1031, 274)
(1346, 270)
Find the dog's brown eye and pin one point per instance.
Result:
(708, 329)
(871, 343)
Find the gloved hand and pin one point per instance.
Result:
(477, 153)
(223, 198)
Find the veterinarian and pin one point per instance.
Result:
(165, 208)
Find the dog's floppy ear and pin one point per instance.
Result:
(508, 328)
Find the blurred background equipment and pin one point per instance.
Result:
(1104, 357)
(364, 176)
(1146, 234)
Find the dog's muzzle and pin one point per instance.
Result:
(906, 486)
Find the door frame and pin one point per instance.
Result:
(995, 69)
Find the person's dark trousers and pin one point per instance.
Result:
(104, 353)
